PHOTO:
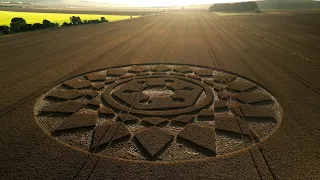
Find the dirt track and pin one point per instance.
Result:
(281, 55)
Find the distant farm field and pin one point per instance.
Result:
(34, 17)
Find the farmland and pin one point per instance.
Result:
(35, 17)
(275, 55)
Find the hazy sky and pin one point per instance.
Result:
(148, 3)
(158, 2)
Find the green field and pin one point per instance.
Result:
(34, 17)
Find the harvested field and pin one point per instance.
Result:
(171, 96)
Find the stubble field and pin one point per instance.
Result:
(275, 55)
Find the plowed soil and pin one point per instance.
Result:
(280, 52)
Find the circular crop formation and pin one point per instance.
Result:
(159, 112)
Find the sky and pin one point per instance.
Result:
(140, 3)
(148, 3)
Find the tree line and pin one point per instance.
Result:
(76, 20)
(234, 7)
(20, 25)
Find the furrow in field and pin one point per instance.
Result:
(262, 70)
(219, 65)
(306, 49)
(19, 57)
(40, 53)
(64, 72)
(135, 52)
(154, 60)
(79, 44)
(285, 61)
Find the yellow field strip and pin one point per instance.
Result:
(34, 17)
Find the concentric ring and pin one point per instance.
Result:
(107, 95)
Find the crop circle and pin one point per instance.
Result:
(162, 112)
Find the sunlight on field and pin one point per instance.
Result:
(33, 17)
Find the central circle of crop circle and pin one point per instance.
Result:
(159, 95)
(163, 112)
(157, 92)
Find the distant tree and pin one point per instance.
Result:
(27, 27)
(17, 24)
(103, 19)
(46, 23)
(257, 11)
(4, 30)
(65, 24)
(234, 7)
(37, 26)
(79, 20)
(75, 20)
(96, 21)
